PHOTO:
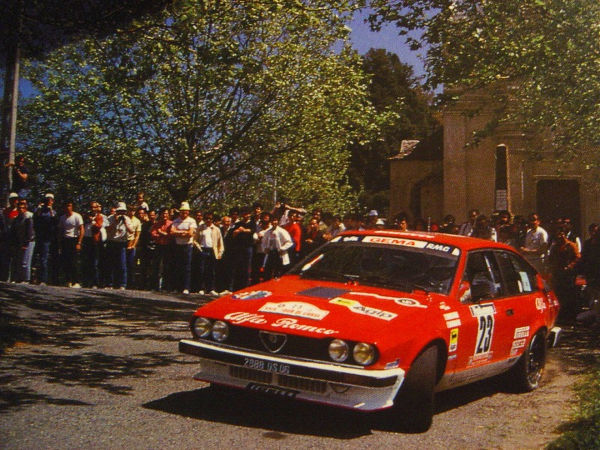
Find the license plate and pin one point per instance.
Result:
(269, 366)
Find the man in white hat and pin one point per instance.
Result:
(183, 229)
(119, 225)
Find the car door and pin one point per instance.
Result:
(482, 316)
(521, 302)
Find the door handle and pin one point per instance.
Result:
(509, 312)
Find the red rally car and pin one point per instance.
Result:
(381, 319)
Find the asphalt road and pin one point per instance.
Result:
(101, 369)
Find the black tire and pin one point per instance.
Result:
(526, 374)
(414, 404)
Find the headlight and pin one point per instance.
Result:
(338, 350)
(201, 327)
(220, 331)
(364, 353)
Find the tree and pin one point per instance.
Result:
(393, 88)
(541, 55)
(203, 101)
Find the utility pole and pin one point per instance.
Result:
(8, 129)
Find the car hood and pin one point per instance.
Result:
(314, 308)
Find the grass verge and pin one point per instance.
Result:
(583, 430)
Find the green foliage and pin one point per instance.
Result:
(394, 91)
(212, 103)
(542, 54)
(584, 429)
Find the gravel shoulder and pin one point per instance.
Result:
(100, 369)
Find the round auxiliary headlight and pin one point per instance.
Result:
(338, 350)
(364, 353)
(201, 327)
(220, 331)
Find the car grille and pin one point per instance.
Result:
(250, 374)
(302, 384)
(287, 381)
(295, 346)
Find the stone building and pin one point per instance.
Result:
(496, 173)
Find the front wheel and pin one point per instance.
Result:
(528, 371)
(414, 404)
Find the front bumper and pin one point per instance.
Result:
(347, 387)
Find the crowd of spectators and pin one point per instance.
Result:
(171, 249)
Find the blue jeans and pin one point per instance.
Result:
(24, 256)
(130, 267)
(43, 248)
(117, 260)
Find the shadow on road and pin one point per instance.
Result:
(68, 336)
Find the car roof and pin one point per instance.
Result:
(462, 242)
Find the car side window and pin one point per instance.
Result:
(513, 284)
(483, 275)
(526, 275)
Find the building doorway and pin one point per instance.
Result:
(559, 198)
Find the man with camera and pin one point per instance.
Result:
(119, 226)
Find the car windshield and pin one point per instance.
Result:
(394, 267)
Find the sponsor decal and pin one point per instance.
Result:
(453, 345)
(438, 247)
(484, 314)
(452, 319)
(444, 306)
(521, 332)
(298, 309)
(411, 302)
(482, 309)
(451, 357)
(358, 308)
(516, 345)
(480, 359)
(395, 241)
(540, 304)
(251, 295)
(272, 390)
(240, 317)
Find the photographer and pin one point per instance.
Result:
(119, 226)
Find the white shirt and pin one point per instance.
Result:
(186, 224)
(70, 225)
(206, 238)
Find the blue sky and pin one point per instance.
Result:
(364, 39)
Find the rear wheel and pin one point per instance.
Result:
(414, 404)
(528, 371)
